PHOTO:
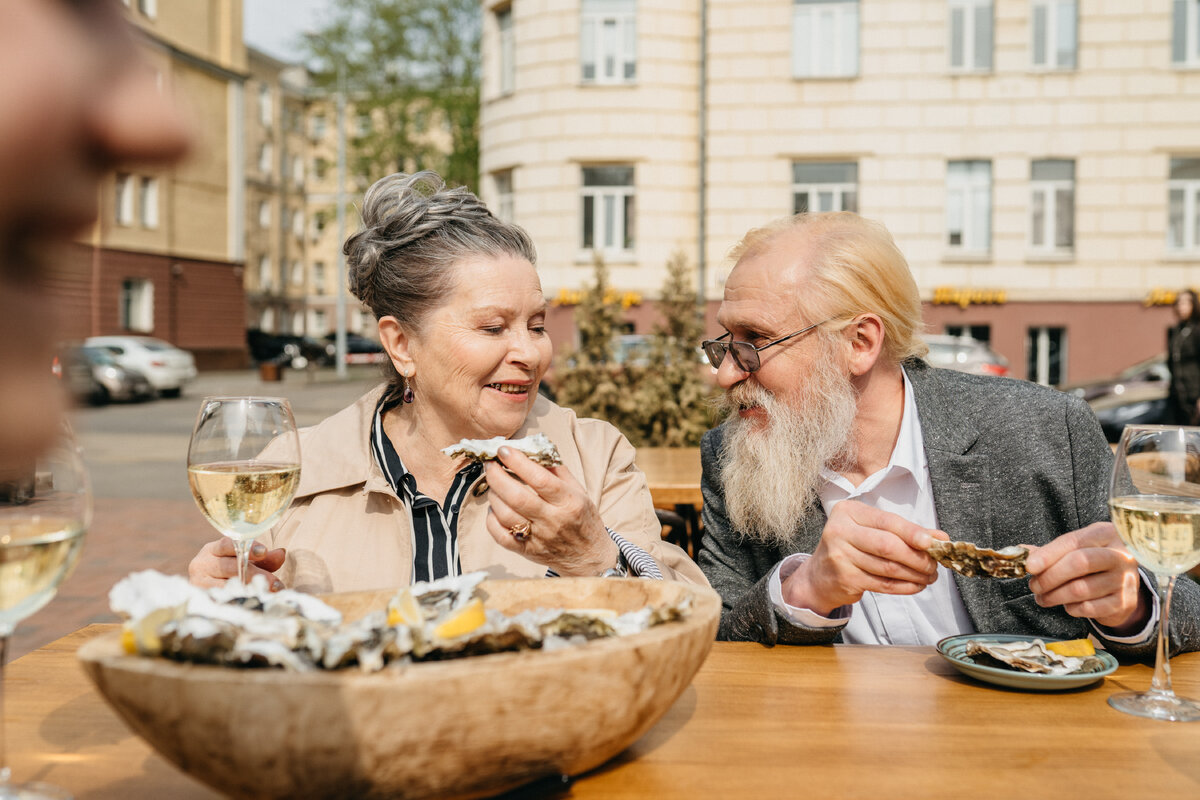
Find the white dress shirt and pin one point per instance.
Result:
(904, 488)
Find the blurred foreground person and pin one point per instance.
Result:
(1183, 359)
(845, 455)
(75, 102)
(462, 317)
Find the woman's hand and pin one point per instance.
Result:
(565, 530)
(216, 563)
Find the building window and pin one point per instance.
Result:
(1185, 32)
(608, 44)
(824, 38)
(504, 194)
(1183, 205)
(824, 186)
(264, 274)
(969, 205)
(978, 332)
(264, 214)
(319, 277)
(297, 322)
(148, 7)
(318, 126)
(318, 225)
(265, 111)
(298, 169)
(137, 305)
(266, 154)
(1052, 206)
(320, 167)
(1052, 25)
(297, 273)
(124, 207)
(508, 64)
(971, 35)
(150, 203)
(608, 209)
(298, 223)
(1046, 349)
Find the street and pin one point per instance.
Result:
(144, 514)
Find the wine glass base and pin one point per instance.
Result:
(1156, 705)
(33, 790)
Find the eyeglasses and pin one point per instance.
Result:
(745, 355)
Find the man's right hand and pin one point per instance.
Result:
(217, 562)
(862, 549)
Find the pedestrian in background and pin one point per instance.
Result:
(75, 103)
(1183, 358)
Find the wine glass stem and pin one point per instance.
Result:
(242, 548)
(1161, 684)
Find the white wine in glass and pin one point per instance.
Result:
(45, 507)
(244, 466)
(1155, 502)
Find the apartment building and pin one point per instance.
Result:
(165, 256)
(1036, 160)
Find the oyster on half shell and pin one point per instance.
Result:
(1034, 657)
(538, 447)
(967, 559)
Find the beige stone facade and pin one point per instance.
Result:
(1038, 158)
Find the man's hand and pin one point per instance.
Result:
(1091, 575)
(862, 549)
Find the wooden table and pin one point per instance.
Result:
(673, 474)
(819, 722)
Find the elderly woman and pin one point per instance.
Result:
(462, 317)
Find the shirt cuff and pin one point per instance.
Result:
(801, 616)
(1151, 624)
(637, 561)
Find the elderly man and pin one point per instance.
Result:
(75, 103)
(845, 455)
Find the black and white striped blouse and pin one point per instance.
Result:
(435, 526)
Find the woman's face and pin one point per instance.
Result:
(1183, 305)
(478, 358)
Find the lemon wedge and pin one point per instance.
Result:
(1079, 648)
(405, 610)
(463, 621)
(128, 641)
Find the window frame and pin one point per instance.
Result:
(1048, 189)
(1189, 224)
(502, 180)
(623, 45)
(1050, 35)
(623, 205)
(123, 207)
(506, 50)
(1185, 33)
(845, 17)
(969, 186)
(839, 189)
(970, 10)
(148, 202)
(266, 105)
(136, 305)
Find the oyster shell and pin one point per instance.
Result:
(967, 559)
(538, 447)
(1033, 657)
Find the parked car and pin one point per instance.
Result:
(167, 367)
(1137, 395)
(92, 375)
(359, 349)
(965, 355)
(287, 348)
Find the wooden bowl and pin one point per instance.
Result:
(464, 728)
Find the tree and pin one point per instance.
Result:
(410, 66)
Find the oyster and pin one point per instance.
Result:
(537, 447)
(1033, 657)
(967, 559)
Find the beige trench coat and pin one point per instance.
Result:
(348, 531)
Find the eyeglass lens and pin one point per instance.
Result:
(744, 354)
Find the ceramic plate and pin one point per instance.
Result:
(954, 648)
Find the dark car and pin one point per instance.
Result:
(1137, 395)
(359, 349)
(287, 349)
(92, 375)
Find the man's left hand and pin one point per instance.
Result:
(1091, 575)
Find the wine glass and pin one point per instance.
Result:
(244, 466)
(1155, 502)
(45, 507)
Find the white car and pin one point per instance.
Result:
(167, 367)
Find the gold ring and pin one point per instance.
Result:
(520, 531)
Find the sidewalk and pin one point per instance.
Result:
(144, 516)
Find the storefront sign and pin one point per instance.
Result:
(573, 297)
(1160, 297)
(950, 296)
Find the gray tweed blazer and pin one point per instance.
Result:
(1011, 462)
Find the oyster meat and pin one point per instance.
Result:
(967, 559)
(538, 447)
(1032, 657)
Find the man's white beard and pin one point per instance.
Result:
(771, 473)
